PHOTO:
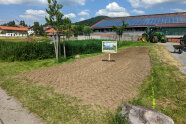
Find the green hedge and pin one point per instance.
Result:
(82, 47)
(26, 51)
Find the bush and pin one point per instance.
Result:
(26, 51)
(82, 47)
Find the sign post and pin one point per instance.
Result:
(109, 57)
(109, 47)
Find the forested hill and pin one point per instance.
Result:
(92, 21)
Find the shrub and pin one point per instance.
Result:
(26, 51)
(82, 47)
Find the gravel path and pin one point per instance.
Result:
(11, 111)
(180, 57)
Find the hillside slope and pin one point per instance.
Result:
(92, 21)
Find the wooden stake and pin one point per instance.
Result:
(109, 57)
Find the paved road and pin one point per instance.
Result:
(180, 57)
(11, 111)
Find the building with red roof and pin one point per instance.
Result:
(13, 31)
(51, 32)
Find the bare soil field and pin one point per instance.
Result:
(95, 81)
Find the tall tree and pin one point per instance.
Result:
(119, 30)
(22, 22)
(87, 30)
(36, 28)
(56, 21)
(78, 29)
(11, 23)
(67, 28)
(41, 31)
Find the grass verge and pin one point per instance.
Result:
(166, 84)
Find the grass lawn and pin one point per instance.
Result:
(54, 108)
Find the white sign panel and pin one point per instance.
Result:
(109, 46)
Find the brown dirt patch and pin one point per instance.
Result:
(95, 81)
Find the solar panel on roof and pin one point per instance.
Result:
(143, 21)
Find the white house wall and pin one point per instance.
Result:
(13, 35)
(30, 32)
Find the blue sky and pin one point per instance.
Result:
(76, 10)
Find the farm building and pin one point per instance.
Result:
(172, 24)
(13, 31)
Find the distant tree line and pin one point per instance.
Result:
(12, 23)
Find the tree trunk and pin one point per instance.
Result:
(64, 49)
(54, 41)
(59, 46)
(120, 40)
(57, 50)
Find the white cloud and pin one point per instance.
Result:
(70, 15)
(150, 3)
(82, 19)
(113, 10)
(84, 13)
(139, 12)
(33, 14)
(41, 2)
(178, 10)
(30, 17)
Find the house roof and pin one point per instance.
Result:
(50, 30)
(54, 31)
(169, 19)
(13, 28)
(49, 26)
